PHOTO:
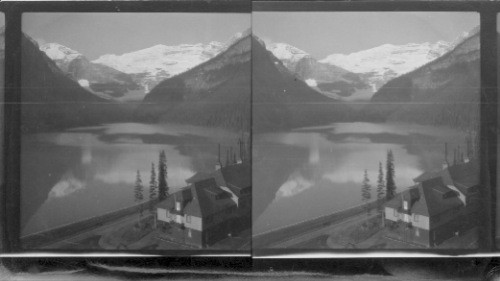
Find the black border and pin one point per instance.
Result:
(12, 195)
(488, 108)
(10, 202)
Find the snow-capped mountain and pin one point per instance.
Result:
(385, 62)
(286, 53)
(330, 80)
(102, 80)
(152, 65)
(146, 67)
(444, 92)
(60, 54)
(215, 93)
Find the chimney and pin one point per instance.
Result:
(240, 150)
(218, 164)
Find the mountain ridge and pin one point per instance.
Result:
(330, 80)
(215, 93)
(101, 80)
(442, 92)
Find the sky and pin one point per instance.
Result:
(96, 34)
(324, 33)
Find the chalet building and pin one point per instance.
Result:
(462, 178)
(235, 179)
(197, 215)
(213, 206)
(441, 205)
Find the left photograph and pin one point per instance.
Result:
(136, 131)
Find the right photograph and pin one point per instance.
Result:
(365, 130)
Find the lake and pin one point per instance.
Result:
(83, 172)
(314, 171)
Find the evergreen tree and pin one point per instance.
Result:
(390, 185)
(380, 186)
(138, 190)
(153, 186)
(162, 177)
(366, 190)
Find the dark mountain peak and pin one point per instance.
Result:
(215, 93)
(282, 100)
(442, 92)
(50, 98)
(99, 79)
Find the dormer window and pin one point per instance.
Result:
(178, 206)
(405, 205)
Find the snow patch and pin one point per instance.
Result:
(388, 61)
(285, 52)
(153, 65)
(84, 83)
(295, 185)
(66, 186)
(59, 52)
(311, 83)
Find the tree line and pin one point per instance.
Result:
(158, 185)
(386, 186)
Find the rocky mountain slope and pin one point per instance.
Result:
(152, 65)
(443, 92)
(52, 100)
(99, 79)
(281, 100)
(328, 79)
(215, 93)
(383, 63)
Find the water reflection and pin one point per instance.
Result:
(315, 171)
(92, 170)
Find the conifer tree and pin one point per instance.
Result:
(138, 190)
(380, 186)
(366, 190)
(390, 185)
(162, 177)
(153, 186)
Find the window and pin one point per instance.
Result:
(189, 233)
(406, 218)
(417, 232)
(395, 213)
(188, 219)
(405, 205)
(178, 206)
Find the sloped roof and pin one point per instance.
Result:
(463, 176)
(200, 199)
(237, 177)
(438, 197)
(205, 204)
(430, 197)
(169, 202)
